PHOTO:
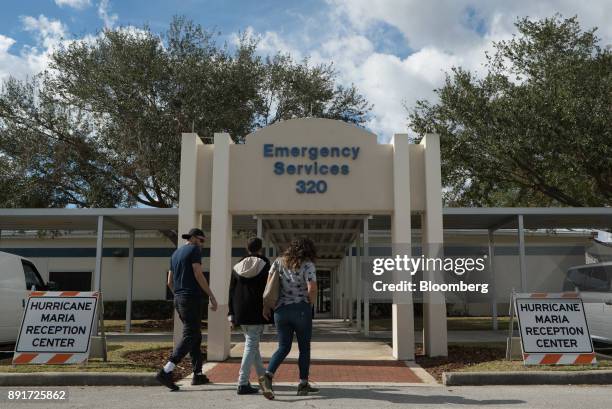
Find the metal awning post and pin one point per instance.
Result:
(128, 303)
(521, 242)
(98, 268)
(259, 227)
(493, 289)
(99, 248)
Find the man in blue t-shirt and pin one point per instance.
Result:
(188, 283)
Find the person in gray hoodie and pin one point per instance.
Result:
(247, 284)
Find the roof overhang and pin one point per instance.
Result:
(87, 219)
(167, 219)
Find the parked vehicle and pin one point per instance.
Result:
(18, 276)
(594, 282)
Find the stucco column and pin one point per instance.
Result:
(338, 292)
(345, 292)
(334, 291)
(402, 309)
(434, 303)
(220, 250)
(365, 294)
(188, 216)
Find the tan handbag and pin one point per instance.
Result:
(271, 292)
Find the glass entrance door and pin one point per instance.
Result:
(323, 308)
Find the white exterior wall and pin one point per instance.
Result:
(543, 271)
(149, 272)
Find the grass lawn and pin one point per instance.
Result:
(117, 362)
(453, 323)
(488, 357)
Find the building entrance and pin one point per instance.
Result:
(323, 179)
(324, 298)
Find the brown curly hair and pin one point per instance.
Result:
(299, 250)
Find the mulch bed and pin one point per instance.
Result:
(166, 325)
(158, 357)
(459, 357)
(161, 325)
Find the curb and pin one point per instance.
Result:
(421, 373)
(595, 377)
(79, 379)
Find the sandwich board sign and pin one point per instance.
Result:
(56, 327)
(553, 329)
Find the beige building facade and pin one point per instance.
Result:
(332, 182)
(318, 168)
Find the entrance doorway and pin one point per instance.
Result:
(335, 236)
(324, 296)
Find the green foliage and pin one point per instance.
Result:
(141, 309)
(536, 130)
(102, 126)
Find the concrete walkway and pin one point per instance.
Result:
(331, 340)
(339, 354)
(322, 350)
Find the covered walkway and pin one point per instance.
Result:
(332, 339)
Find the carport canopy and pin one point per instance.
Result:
(97, 220)
(132, 219)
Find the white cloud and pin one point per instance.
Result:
(5, 44)
(440, 34)
(48, 33)
(75, 4)
(31, 59)
(8, 62)
(105, 15)
(451, 25)
(268, 42)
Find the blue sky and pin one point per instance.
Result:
(394, 51)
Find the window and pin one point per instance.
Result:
(32, 278)
(71, 280)
(596, 278)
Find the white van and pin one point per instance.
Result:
(17, 277)
(594, 282)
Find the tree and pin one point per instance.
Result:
(101, 127)
(536, 130)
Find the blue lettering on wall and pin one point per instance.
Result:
(314, 168)
(268, 150)
(279, 168)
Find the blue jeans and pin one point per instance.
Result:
(189, 309)
(289, 319)
(251, 355)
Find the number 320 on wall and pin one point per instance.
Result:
(311, 186)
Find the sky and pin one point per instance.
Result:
(394, 51)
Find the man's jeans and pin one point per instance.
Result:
(189, 309)
(289, 319)
(251, 355)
